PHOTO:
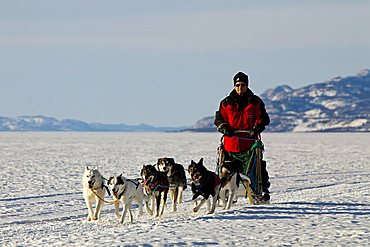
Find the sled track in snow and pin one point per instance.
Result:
(38, 196)
(36, 208)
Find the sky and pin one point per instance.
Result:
(165, 62)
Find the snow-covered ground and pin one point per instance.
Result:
(320, 191)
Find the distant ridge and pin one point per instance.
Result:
(44, 123)
(337, 105)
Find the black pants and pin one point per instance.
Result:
(265, 177)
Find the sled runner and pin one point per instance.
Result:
(249, 167)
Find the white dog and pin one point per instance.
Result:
(127, 190)
(93, 191)
(229, 184)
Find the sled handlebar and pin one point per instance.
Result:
(241, 138)
(243, 131)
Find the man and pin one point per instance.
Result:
(242, 110)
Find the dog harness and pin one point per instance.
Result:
(102, 186)
(132, 181)
(217, 180)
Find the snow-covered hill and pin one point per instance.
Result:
(44, 123)
(340, 104)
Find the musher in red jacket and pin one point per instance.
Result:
(242, 110)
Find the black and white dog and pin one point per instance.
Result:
(127, 190)
(176, 177)
(230, 179)
(156, 186)
(205, 183)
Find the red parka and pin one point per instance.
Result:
(241, 113)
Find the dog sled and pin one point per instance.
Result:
(250, 173)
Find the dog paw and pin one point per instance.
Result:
(125, 223)
(87, 219)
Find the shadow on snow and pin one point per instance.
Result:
(289, 210)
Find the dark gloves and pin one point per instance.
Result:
(229, 132)
(257, 129)
(226, 130)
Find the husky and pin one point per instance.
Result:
(93, 192)
(127, 190)
(229, 183)
(176, 177)
(156, 185)
(205, 183)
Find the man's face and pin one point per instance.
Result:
(240, 88)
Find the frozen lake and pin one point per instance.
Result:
(319, 190)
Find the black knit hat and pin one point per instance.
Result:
(240, 76)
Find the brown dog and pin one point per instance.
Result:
(176, 177)
(156, 185)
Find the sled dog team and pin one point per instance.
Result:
(157, 181)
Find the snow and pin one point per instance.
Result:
(311, 124)
(320, 191)
(278, 97)
(358, 122)
(340, 124)
(336, 79)
(34, 120)
(333, 104)
(303, 126)
(322, 92)
(363, 73)
(10, 126)
(316, 113)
